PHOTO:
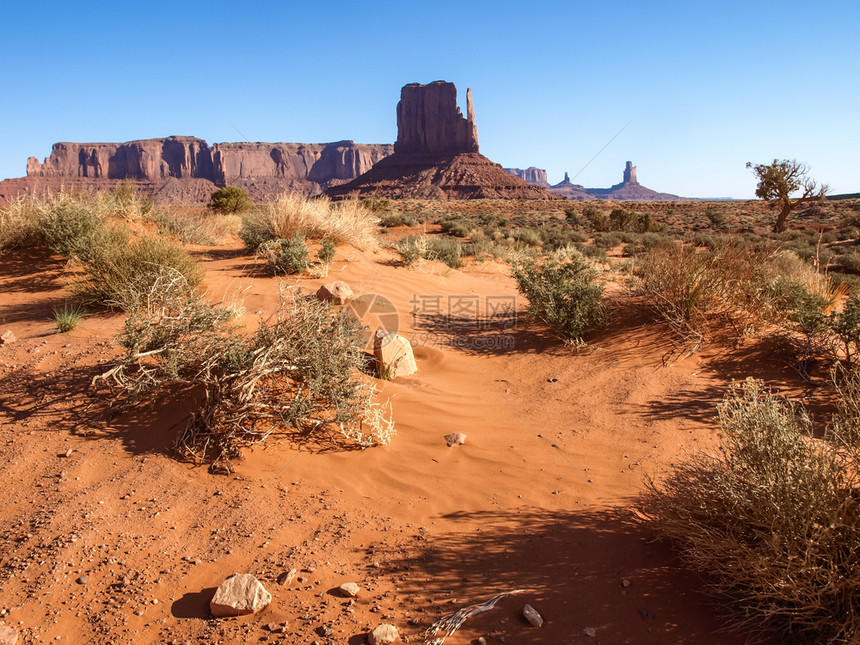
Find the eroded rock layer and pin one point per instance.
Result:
(189, 169)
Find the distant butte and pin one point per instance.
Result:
(436, 155)
(628, 190)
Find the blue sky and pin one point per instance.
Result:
(705, 87)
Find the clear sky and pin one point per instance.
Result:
(704, 86)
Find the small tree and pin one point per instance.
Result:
(779, 180)
(230, 199)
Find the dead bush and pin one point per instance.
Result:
(299, 372)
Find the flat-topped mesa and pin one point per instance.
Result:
(630, 173)
(429, 123)
(531, 175)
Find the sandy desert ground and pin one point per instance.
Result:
(108, 538)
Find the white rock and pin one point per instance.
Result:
(6, 338)
(531, 615)
(590, 632)
(455, 439)
(383, 634)
(393, 355)
(338, 292)
(238, 595)
(8, 635)
(350, 589)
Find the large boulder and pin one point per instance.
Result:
(393, 354)
(238, 595)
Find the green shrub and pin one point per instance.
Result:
(72, 226)
(119, 271)
(412, 249)
(849, 262)
(563, 294)
(326, 252)
(773, 516)
(572, 215)
(230, 199)
(67, 318)
(597, 219)
(447, 250)
(288, 256)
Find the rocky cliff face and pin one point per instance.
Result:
(436, 155)
(629, 174)
(430, 123)
(263, 169)
(531, 175)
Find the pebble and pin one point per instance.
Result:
(82, 580)
(590, 632)
(532, 616)
(455, 439)
(349, 589)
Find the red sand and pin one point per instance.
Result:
(534, 500)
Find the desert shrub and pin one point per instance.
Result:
(68, 317)
(849, 262)
(607, 240)
(457, 227)
(376, 205)
(593, 252)
(556, 238)
(289, 256)
(773, 516)
(230, 199)
(562, 293)
(18, 224)
(846, 326)
(346, 222)
(70, 225)
(527, 237)
(573, 216)
(715, 217)
(326, 252)
(413, 249)
(391, 220)
(119, 270)
(597, 220)
(194, 226)
(299, 373)
(447, 250)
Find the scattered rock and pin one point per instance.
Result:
(82, 580)
(455, 439)
(8, 635)
(7, 337)
(287, 577)
(238, 595)
(625, 582)
(482, 641)
(531, 615)
(590, 632)
(337, 292)
(349, 589)
(383, 634)
(393, 355)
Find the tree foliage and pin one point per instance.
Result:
(777, 182)
(230, 199)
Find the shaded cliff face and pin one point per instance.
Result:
(264, 170)
(148, 160)
(430, 123)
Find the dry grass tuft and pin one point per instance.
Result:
(346, 222)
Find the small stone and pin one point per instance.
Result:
(349, 589)
(455, 439)
(482, 641)
(625, 582)
(238, 595)
(68, 453)
(82, 580)
(383, 634)
(337, 292)
(590, 632)
(7, 337)
(287, 577)
(8, 635)
(532, 616)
